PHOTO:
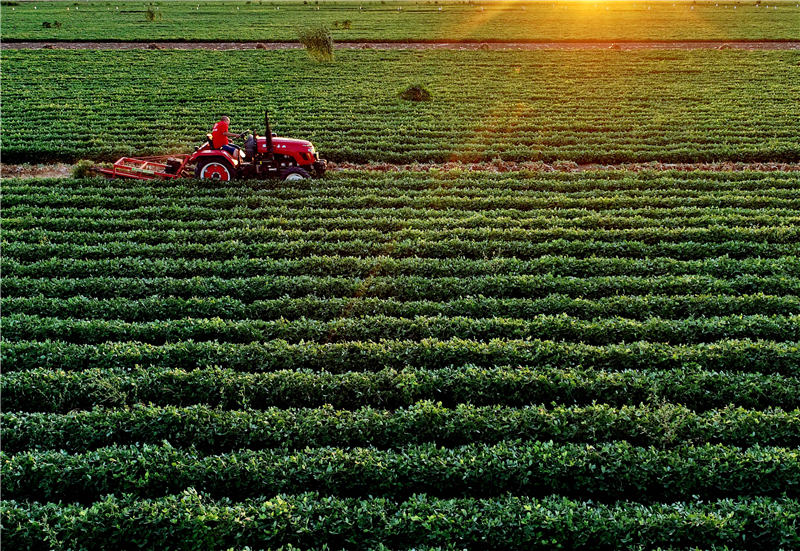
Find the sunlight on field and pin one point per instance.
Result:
(399, 21)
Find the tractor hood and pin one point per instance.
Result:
(286, 145)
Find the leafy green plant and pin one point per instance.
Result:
(83, 169)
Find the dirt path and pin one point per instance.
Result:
(64, 170)
(689, 45)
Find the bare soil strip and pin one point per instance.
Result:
(689, 45)
(62, 170)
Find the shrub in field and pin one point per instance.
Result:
(83, 169)
(151, 14)
(318, 42)
(416, 92)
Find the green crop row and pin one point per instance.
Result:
(56, 391)
(212, 430)
(438, 198)
(561, 327)
(750, 356)
(81, 230)
(150, 309)
(383, 266)
(465, 227)
(180, 218)
(750, 180)
(191, 520)
(524, 185)
(249, 236)
(603, 471)
(442, 248)
(402, 288)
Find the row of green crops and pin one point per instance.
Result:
(373, 328)
(590, 106)
(737, 355)
(421, 360)
(337, 266)
(605, 472)
(512, 386)
(402, 21)
(155, 308)
(214, 430)
(316, 521)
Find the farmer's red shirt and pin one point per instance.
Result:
(218, 136)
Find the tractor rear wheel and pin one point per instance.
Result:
(294, 173)
(215, 169)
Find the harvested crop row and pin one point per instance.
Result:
(52, 390)
(212, 430)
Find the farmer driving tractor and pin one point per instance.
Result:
(267, 156)
(220, 135)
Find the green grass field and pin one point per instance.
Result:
(583, 106)
(406, 21)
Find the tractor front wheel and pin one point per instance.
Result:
(215, 169)
(294, 173)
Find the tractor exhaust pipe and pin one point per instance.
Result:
(269, 133)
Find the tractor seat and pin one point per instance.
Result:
(210, 141)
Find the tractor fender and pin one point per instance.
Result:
(202, 154)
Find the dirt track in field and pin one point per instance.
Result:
(62, 170)
(688, 45)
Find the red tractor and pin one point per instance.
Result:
(265, 156)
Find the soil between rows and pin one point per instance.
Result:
(688, 45)
(62, 170)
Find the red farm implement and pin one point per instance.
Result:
(265, 156)
(148, 168)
